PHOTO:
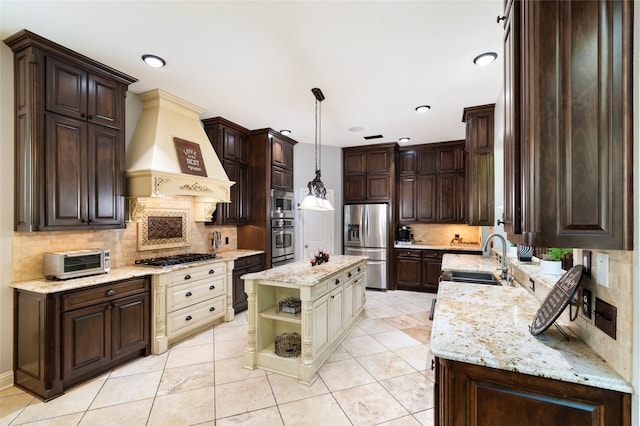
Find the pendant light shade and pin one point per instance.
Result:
(316, 199)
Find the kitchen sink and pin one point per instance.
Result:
(474, 277)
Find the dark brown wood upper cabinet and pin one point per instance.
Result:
(369, 173)
(480, 168)
(69, 138)
(575, 123)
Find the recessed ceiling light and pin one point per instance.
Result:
(423, 108)
(154, 61)
(404, 140)
(285, 132)
(485, 58)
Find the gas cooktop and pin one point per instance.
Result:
(177, 259)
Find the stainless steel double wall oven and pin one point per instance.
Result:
(282, 228)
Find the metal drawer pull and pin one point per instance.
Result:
(337, 281)
(188, 294)
(433, 364)
(211, 309)
(212, 287)
(188, 318)
(349, 275)
(359, 269)
(211, 271)
(333, 297)
(187, 277)
(110, 292)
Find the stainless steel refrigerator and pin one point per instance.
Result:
(366, 233)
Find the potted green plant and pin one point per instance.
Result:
(551, 262)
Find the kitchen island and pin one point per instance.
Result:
(491, 370)
(331, 303)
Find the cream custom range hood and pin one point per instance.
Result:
(154, 167)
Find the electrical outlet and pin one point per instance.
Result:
(532, 284)
(586, 263)
(603, 269)
(586, 302)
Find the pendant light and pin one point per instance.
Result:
(316, 199)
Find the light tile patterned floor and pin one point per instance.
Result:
(380, 375)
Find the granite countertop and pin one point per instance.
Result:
(470, 263)
(45, 286)
(302, 273)
(489, 326)
(420, 246)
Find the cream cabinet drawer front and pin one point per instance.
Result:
(183, 320)
(197, 272)
(355, 272)
(319, 290)
(180, 296)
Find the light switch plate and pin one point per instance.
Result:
(603, 269)
(586, 302)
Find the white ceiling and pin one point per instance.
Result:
(255, 63)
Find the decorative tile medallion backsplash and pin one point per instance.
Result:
(164, 228)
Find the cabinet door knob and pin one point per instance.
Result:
(189, 294)
(359, 269)
(110, 292)
(333, 297)
(187, 277)
(188, 318)
(211, 309)
(349, 275)
(211, 271)
(337, 281)
(212, 287)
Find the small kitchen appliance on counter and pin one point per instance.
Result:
(404, 234)
(75, 264)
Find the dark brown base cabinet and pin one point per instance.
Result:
(241, 266)
(468, 394)
(61, 339)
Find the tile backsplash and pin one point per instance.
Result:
(441, 234)
(29, 247)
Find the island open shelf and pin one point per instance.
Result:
(332, 299)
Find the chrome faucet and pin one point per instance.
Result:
(486, 253)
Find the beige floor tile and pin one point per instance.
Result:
(286, 389)
(362, 345)
(317, 411)
(242, 397)
(410, 307)
(425, 417)
(240, 319)
(422, 317)
(230, 333)
(344, 374)
(375, 325)
(230, 349)
(11, 392)
(396, 339)
(68, 420)
(267, 417)
(383, 311)
(369, 404)
(131, 413)
(413, 391)
(188, 377)
(76, 400)
(356, 332)
(402, 421)
(232, 370)
(339, 354)
(12, 403)
(141, 365)
(205, 336)
(127, 389)
(188, 355)
(421, 333)
(417, 356)
(183, 408)
(385, 365)
(401, 321)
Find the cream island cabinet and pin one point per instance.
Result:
(332, 302)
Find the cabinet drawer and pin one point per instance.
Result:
(99, 294)
(191, 317)
(408, 253)
(432, 254)
(248, 261)
(197, 272)
(179, 296)
(353, 273)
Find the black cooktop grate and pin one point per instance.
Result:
(177, 259)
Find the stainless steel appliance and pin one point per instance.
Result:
(404, 234)
(366, 233)
(282, 241)
(74, 264)
(282, 204)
